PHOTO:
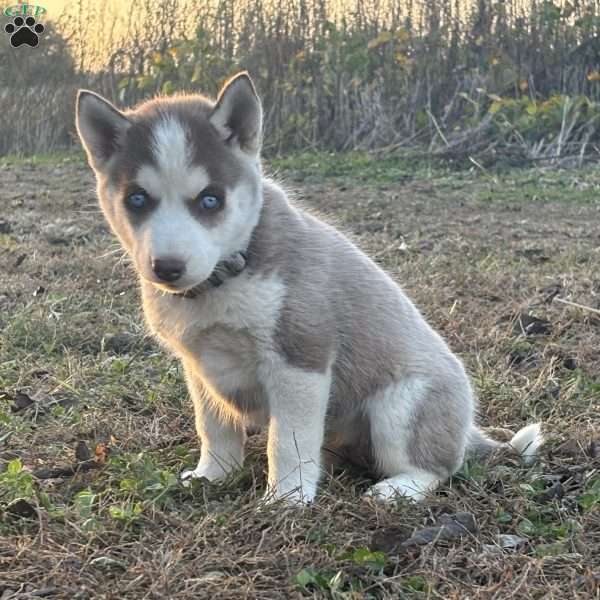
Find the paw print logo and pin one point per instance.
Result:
(24, 31)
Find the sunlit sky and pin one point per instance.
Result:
(55, 7)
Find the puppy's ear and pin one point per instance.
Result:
(237, 115)
(101, 127)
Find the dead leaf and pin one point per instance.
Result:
(447, 528)
(120, 343)
(101, 453)
(387, 540)
(535, 255)
(555, 491)
(20, 400)
(40, 373)
(527, 324)
(22, 508)
(19, 260)
(551, 291)
(44, 592)
(82, 452)
(508, 541)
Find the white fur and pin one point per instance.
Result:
(245, 303)
(414, 484)
(161, 183)
(296, 399)
(171, 149)
(171, 231)
(222, 439)
(527, 442)
(391, 413)
(243, 212)
(297, 402)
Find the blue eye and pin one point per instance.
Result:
(209, 201)
(137, 201)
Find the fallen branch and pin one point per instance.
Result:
(577, 305)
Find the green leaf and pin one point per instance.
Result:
(14, 467)
(504, 517)
(128, 485)
(144, 82)
(83, 503)
(383, 38)
(364, 556)
(554, 549)
(591, 497)
(415, 583)
(309, 577)
(526, 527)
(197, 74)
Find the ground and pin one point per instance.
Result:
(95, 422)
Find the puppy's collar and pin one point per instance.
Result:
(226, 269)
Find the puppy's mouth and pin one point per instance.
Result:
(174, 289)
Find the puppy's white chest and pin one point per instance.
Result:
(223, 334)
(226, 359)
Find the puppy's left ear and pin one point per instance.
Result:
(237, 115)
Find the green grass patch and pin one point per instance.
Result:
(357, 167)
(52, 158)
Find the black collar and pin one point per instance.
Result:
(226, 269)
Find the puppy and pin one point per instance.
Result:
(277, 318)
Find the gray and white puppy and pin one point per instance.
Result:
(277, 317)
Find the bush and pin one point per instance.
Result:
(450, 76)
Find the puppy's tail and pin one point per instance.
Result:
(526, 443)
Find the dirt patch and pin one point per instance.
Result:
(95, 422)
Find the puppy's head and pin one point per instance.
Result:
(178, 178)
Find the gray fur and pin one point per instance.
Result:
(373, 332)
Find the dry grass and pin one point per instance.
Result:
(474, 251)
(518, 79)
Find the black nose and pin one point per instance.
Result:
(168, 269)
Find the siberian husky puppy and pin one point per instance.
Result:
(277, 318)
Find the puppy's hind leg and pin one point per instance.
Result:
(413, 483)
(417, 437)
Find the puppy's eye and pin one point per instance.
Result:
(137, 200)
(209, 200)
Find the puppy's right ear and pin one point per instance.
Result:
(101, 127)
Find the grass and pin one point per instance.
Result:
(95, 423)
(50, 159)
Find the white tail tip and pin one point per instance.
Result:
(527, 442)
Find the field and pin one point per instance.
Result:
(95, 423)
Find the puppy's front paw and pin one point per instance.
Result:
(188, 475)
(297, 497)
